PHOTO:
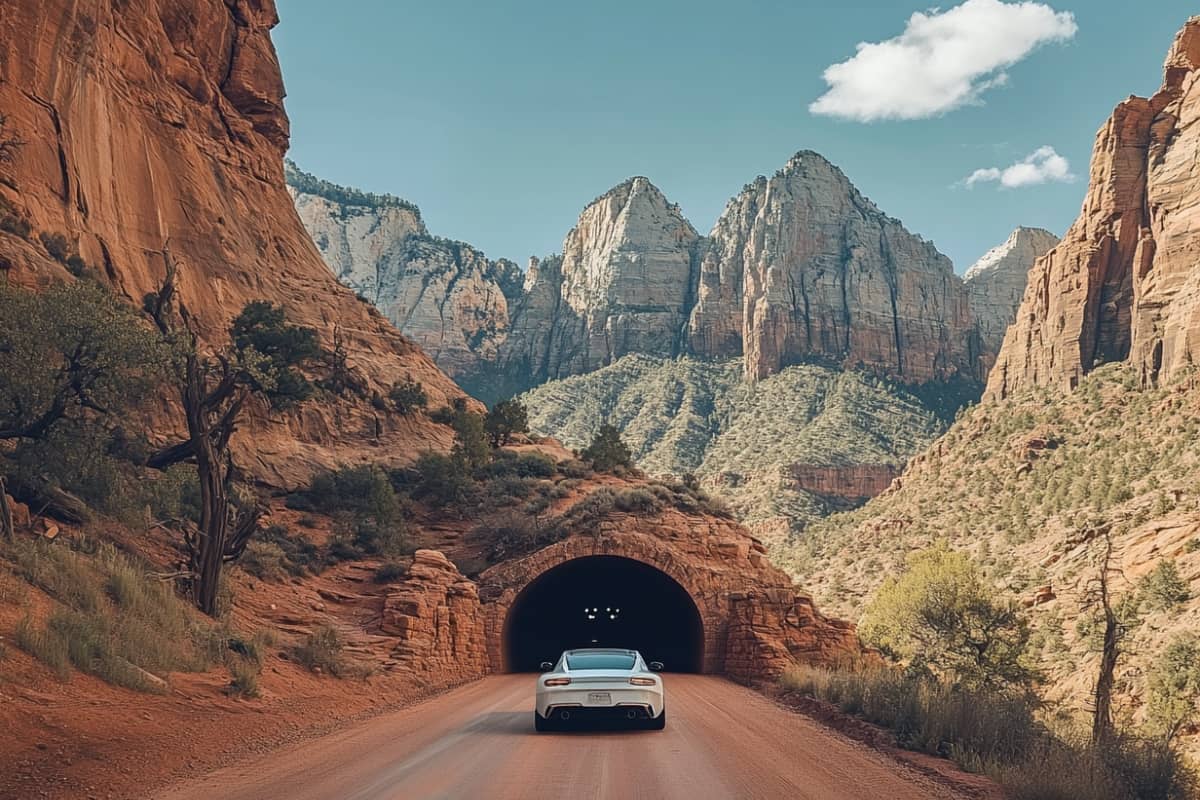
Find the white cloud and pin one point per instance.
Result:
(942, 60)
(1043, 165)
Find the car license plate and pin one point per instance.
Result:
(599, 699)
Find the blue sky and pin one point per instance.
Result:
(502, 120)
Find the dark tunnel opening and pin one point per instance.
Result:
(604, 601)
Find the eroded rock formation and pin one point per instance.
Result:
(154, 120)
(622, 285)
(445, 295)
(1123, 283)
(853, 484)
(802, 266)
(996, 282)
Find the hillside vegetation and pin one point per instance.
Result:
(1034, 489)
(684, 416)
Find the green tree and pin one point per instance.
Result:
(213, 389)
(607, 451)
(408, 396)
(506, 418)
(1174, 687)
(471, 446)
(1163, 588)
(69, 352)
(262, 336)
(939, 616)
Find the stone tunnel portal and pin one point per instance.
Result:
(604, 601)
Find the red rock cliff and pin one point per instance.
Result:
(1124, 283)
(149, 120)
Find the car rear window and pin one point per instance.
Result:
(600, 661)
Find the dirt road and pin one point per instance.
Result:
(721, 741)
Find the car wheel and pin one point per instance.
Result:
(659, 722)
(540, 723)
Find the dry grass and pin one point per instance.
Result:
(999, 735)
(113, 620)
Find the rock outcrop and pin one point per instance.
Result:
(445, 295)
(852, 485)
(1123, 283)
(622, 285)
(434, 612)
(150, 120)
(801, 266)
(996, 282)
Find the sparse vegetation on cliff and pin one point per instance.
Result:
(310, 184)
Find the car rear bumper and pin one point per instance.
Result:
(642, 703)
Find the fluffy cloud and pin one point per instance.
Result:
(942, 60)
(1043, 165)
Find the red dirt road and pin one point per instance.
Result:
(721, 741)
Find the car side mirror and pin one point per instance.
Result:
(547, 666)
(656, 666)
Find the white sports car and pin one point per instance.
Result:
(600, 684)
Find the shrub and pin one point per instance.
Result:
(444, 480)
(515, 535)
(1173, 687)
(940, 616)
(56, 245)
(46, 646)
(607, 452)
(263, 337)
(506, 418)
(471, 446)
(243, 678)
(367, 506)
(300, 555)
(636, 500)
(1163, 588)
(443, 415)
(408, 396)
(390, 572)
(321, 650)
(265, 560)
(591, 509)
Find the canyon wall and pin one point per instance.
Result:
(150, 121)
(1122, 284)
(996, 283)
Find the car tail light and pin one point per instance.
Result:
(556, 681)
(643, 681)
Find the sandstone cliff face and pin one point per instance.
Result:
(445, 295)
(802, 266)
(156, 120)
(622, 285)
(1123, 283)
(996, 282)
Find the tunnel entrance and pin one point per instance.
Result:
(604, 601)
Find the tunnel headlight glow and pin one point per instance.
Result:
(636, 681)
(556, 682)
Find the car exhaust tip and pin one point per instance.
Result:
(564, 715)
(630, 715)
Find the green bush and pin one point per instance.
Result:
(444, 480)
(506, 418)
(264, 560)
(607, 452)
(390, 572)
(1163, 588)
(636, 500)
(408, 396)
(941, 616)
(321, 651)
(300, 555)
(56, 245)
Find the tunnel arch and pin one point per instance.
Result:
(603, 601)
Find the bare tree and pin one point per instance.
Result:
(6, 519)
(213, 391)
(1100, 597)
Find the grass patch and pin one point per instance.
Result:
(1000, 735)
(115, 620)
(321, 650)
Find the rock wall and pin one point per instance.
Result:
(154, 120)
(1123, 283)
(444, 295)
(435, 613)
(622, 285)
(996, 283)
(856, 484)
(770, 631)
(802, 266)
